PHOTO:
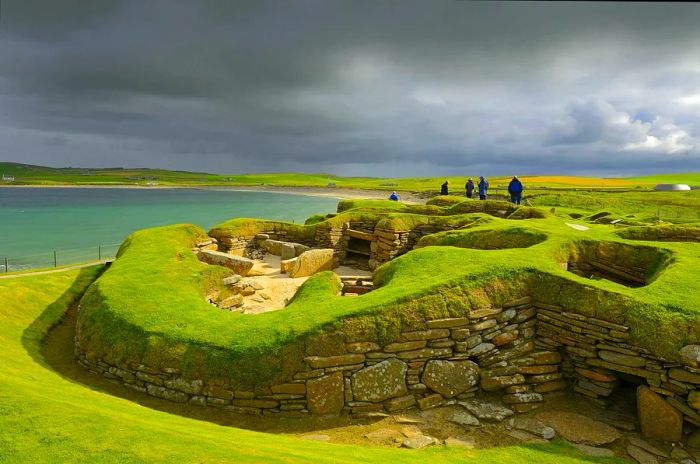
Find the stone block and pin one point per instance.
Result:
(404, 346)
(289, 388)
(430, 401)
(690, 355)
(447, 323)
(500, 382)
(657, 418)
(450, 378)
(237, 264)
(380, 381)
(325, 394)
(425, 353)
(318, 362)
(621, 359)
(546, 357)
(400, 403)
(682, 375)
(528, 397)
(312, 261)
(425, 334)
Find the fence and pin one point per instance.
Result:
(58, 257)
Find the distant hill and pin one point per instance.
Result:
(27, 174)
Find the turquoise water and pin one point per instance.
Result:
(76, 222)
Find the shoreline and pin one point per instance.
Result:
(328, 192)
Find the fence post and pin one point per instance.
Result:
(55, 262)
(6, 264)
(99, 252)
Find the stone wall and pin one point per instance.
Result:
(522, 350)
(597, 356)
(391, 243)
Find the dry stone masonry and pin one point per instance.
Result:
(524, 351)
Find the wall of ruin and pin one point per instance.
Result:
(523, 351)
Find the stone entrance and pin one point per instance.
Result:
(359, 248)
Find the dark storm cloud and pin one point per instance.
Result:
(356, 87)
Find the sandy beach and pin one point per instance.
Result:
(329, 192)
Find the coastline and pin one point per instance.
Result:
(329, 192)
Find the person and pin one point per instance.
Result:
(515, 188)
(394, 196)
(483, 187)
(469, 187)
(443, 189)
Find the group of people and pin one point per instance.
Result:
(515, 189)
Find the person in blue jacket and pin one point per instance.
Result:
(515, 188)
(394, 196)
(483, 187)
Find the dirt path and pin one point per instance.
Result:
(53, 271)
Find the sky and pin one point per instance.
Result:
(357, 87)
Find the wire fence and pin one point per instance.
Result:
(58, 257)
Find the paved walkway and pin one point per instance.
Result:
(52, 271)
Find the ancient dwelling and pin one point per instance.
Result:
(365, 238)
(592, 315)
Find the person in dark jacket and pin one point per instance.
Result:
(515, 188)
(443, 189)
(483, 187)
(469, 187)
(394, 196)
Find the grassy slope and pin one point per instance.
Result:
(45, 417)
(690, 178)
(118, 314)
(39, 175)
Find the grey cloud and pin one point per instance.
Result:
(383, 87)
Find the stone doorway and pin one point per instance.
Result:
(359, 248)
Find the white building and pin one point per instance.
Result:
(7, 178)
(671, 187)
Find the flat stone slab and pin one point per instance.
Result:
(578, 428)
(641, 456)
(385, 436)
(468, 443)
(454, 414)
(577, 226)
(419, 441)
(594, 451)
(237, 264)
(534, 426)
(487, 411)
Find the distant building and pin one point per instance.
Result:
(7, 178)
(671, 187)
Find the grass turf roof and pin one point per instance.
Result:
(46, 417)
(149, 305)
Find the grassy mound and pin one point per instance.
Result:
(495, 239)
(149, 306)
(47, 418)
(663, 233)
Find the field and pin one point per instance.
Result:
(53, 410)
(46, 415)
(39, 175)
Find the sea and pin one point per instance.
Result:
(43, 227)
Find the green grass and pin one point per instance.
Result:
(41, 175)
(632, 206)
(690, 178)
(46, 417)
(149, 306)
